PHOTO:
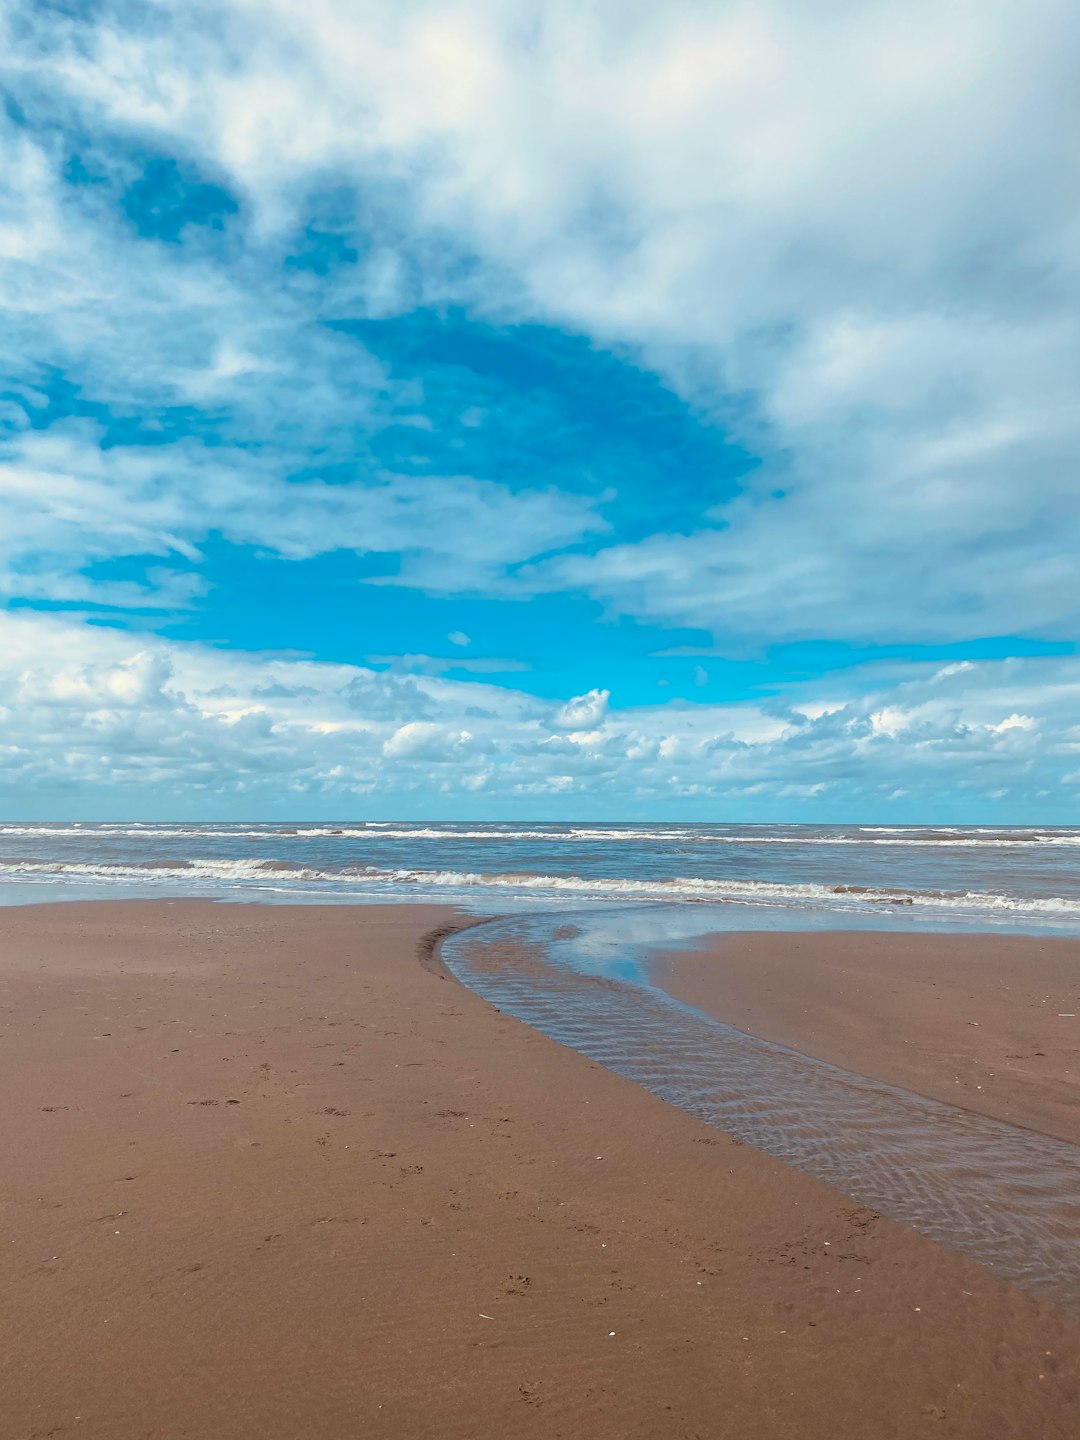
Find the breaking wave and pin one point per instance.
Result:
(373, 880)
(974, 837)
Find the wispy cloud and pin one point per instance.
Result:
(67, 502)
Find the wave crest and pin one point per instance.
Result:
(372, 880)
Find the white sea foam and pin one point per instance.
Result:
(226, 870)
(746, 891)
(276, 874)
(870, 835)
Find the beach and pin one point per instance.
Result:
(987, 1022)
(268, 1171)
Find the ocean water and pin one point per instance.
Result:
(972, 875)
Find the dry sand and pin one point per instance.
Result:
(988, 1022)
(264, 1175)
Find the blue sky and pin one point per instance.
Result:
(475, 409)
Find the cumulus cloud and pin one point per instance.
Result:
(107, 722)
(418, 740)
(584, 711)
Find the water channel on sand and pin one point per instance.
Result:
(1008, 1197)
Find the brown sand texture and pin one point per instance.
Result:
(265, 1174)
(987, 1022)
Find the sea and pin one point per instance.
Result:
(1025, 878)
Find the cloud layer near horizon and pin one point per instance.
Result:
(204, 733)
(845, 242)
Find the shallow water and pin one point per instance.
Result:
(1008, 1197)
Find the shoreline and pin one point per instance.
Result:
(984, 1021)
(272, 1176)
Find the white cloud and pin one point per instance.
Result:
(420, 740)
(66, 502)
(583, 711)
(1013, 722)
(112, 723)
(849, 237)
(852, 236)
(889, 720)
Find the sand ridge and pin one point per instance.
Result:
(987, 1022)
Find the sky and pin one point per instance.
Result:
(492, 409)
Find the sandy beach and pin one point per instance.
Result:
(987, 1022)
(268, 1172)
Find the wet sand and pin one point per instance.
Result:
(263, 1174)
(988, 1022)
